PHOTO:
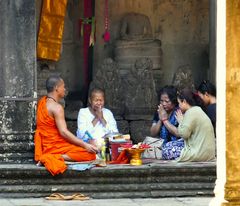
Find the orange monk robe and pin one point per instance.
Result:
(50, 145)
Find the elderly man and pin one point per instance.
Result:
(54, 143)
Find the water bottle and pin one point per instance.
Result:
(87, 137)
(103, 153)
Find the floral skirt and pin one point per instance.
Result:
(172, 150)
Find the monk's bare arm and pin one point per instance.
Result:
(58, 113)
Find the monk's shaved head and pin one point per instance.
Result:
(52, 82)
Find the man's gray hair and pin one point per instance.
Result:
(52, 82)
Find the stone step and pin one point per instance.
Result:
(16, 148)
(14, 157)
(155, 179)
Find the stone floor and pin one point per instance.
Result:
(200, 201)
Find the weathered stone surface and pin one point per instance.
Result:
(16, 148)
(17, 117)
(139, 130)
(182, 26)
(140, 92)
(123, 126)
(18, 41)
(135, 26)
(134, 95)
(136, 41)
(17, 80)
(17, 157)
(109, 79)
(183, 78)
(72, 108)
(114, 181)
(11, 138)
(72, 126)
(126, 53)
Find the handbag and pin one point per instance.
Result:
(155, 150)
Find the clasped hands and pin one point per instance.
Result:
(162, 113)
(98, 113)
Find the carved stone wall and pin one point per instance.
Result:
(182, 27)
(131, 97)
(136, 41)
(181, 32)
(109, 79)
(183, 78)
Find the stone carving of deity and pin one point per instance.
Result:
(136, 26)
(136, 41)
(140, 92)
(183, 78)
(107, 78)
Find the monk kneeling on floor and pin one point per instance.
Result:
(54, 143)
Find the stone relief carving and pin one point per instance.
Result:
(140, 92)
(183, 78)
(109, 79)
(134, 94)
(136, 41)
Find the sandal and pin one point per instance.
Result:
(79, 196)
(59, 196)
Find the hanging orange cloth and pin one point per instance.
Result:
(50, 145)
(51, 29)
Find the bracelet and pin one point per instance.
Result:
(164, 120)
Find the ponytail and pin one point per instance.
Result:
(192, 98)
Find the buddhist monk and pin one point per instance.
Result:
(54, 143)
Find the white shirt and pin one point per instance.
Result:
(84, 121)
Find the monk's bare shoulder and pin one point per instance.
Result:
(55, 109)
(58, 109)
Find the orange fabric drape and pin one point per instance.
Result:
(51, 29)
(50, 145)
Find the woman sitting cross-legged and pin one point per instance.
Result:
(195, 128)
(165, 124)
(95, 121)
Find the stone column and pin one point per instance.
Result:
(17, 80)
(232, 191)
(221, 102)
(228, 172)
